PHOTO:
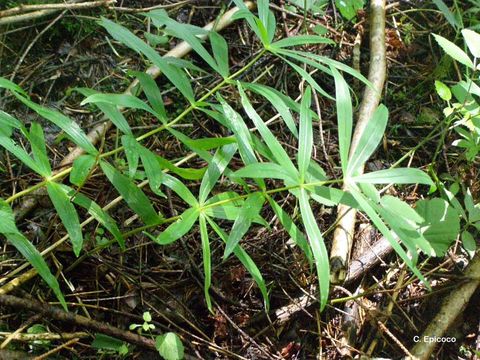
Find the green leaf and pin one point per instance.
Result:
(207, 261)
(98, 214)
(177, 229)
(369, 140)
(28, 251)
(70, 127)
(186, 32)
(68, 215)
(170, 346)
(82, 166)
(442, 223)
(39, 149)
(468, 241)
(8, 123)
(472, 209)
(215, 169)
(220, 52)
(134, 197)
(454, 51)
(152, 92)
(250, 208)
(186, 173)
(305, 141)
(330, 196)
(443, 90)
(395, 176)
(452, 18)
(264, 170)
(7, 84)
(349, 8)
(106, 342)
(302, 40)
(123, 100)
(295, 234)
(277, 102)
(242, 134)
(277, 150)
(377, 221)
(247, 261)
(473, 41)
(20, 154)
(180, 189)
(344, 116)
(318, 247)
(131, 152)
(153, 171)
(112, 112)
(175, 75)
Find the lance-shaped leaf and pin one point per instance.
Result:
(39, 149)
(305, 141)
(317, 244)
(132, 154)
(152, 169)
(82, 166)
(301, 40)
(220, 52)
(177, 229)
(247, 261)
(28, 251)
(134, 197)
(97, 212)
(266, 170)
(454, 51)
(377, 221)
(250, 208)
(215, 169)
(111, 111)
(68, 214)
(175, 75)
(295, 234)
(207, 261)
(344, 116)
(180, 189)
(277, 150)
(369, 140)
(71, 128)
(152, 92)
(395, 176)
(277, 101)
(20, 154)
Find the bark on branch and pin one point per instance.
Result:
(343, 235)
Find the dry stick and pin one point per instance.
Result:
(451, 307)
(343, 235)
(69, 6)
(95, 134)
(63, 316)
(32, 15)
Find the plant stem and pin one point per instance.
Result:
(184, 113)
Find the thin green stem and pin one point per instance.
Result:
(184, 113)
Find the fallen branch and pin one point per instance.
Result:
(47, 9)
(343, 235)
(451, 307)
(82, 321)
(62, 6)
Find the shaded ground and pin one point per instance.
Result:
(118, 287)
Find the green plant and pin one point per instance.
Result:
(147, 326)
(465, 112)
(109, 345)
(260, 151)
(170, 346)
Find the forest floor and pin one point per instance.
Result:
(57, 53)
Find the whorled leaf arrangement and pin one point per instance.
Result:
(260, 151)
